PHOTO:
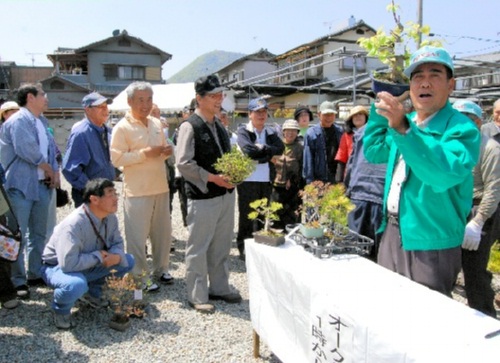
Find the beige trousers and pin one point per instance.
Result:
(145, 217)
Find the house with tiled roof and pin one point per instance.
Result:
(106, 66)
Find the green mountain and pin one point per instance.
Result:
(203, 65)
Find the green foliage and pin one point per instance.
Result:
(120, 293)
(235, 165)
(324, 203)
(382, 45)
(265, 212)
(494, 262)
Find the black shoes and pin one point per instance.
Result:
(231, 298)
(36, 282)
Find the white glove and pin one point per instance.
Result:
(472, 236)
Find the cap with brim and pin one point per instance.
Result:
(429, 54)
(467, 106)
(8, 106)
(290, 125)
(327, 107)
(357, 110)
(95, 99)
(208, 85)
(257, 104)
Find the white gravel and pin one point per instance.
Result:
(170, 332)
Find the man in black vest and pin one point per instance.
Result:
(201, 141)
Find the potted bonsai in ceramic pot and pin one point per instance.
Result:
(394, 49)
(266, 212)
(323, 205)
(122, 294)
(235, 165)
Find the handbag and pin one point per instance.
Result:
(9, 246)
(62, 197)
(10, 235)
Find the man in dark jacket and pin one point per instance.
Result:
(260, 143)
(320, 147)
(202, 140)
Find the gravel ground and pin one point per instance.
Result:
(170, 332)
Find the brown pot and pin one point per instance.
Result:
(268, 240)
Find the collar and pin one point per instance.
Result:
(132, 120)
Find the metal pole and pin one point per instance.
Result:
(354, 68)
(419, 20)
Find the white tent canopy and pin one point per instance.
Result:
(169, 97)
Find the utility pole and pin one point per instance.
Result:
(419, 20)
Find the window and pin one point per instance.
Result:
(114, 71)
(347, 63)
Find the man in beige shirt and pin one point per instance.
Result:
(138, 146)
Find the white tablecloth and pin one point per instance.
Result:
(349, 309)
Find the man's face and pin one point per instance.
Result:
(108, 203)
(224, 118)
(210, 104)
(496, 114)
(259, 118)
(303, 119)
(141, 104)
(97, 114)
(430, 89)
(326, 119)
(38, 103)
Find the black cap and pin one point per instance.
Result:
(208, 85)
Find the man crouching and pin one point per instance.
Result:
(83, 250)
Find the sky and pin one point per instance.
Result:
(189, 28)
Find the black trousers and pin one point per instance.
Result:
(247, 193)
(291, 202)
(7, 290)
(477, 278)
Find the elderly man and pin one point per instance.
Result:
(138, 145)
(321, 144)
(480, 232)
(430, 154)
(84, 249)
(260, 143)
(202, 140)
(87, 153)
(28, 156)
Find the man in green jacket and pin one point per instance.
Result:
(430, 154)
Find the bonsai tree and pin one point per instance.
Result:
(394, 48)
(266, 213)
(235, 165)
(324, 203)
(121, 294)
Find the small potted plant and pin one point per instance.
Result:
(266, 213)
(323, 204)
(394, 50)
(122, 294)
(235, 165)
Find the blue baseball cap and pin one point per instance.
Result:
(257, 104)
(429, 54)
(467, 106)
(95, 99)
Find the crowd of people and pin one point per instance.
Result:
(425, 184)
